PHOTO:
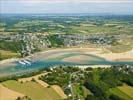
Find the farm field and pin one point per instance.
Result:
(127, 89)
(12, 95)
(33, 90)
(125, 92)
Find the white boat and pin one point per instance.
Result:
(21, 62)
(27, 62)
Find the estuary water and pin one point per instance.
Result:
(31, 66)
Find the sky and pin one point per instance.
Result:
(66, 6)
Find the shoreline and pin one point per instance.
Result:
(124, 57)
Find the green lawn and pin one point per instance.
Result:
(33, 90)
(124, 92)
(81, 91)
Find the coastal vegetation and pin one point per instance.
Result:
(103, 84)
(111, 83)
(24, 75)
(8, 54)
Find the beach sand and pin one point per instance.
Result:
(53, 54)
(126, 56)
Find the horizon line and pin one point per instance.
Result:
(68, 13)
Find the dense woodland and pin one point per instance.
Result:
(100, 81)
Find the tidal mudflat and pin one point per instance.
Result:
(74, 56)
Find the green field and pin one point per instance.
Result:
(8, 54)
(109, 27)
(125, 92)
(86, 91)
(32, 89)
(127, 89)
(80, 91)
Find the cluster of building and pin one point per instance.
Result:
(78, 39)
(29, 42)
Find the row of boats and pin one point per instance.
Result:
(25, 62)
